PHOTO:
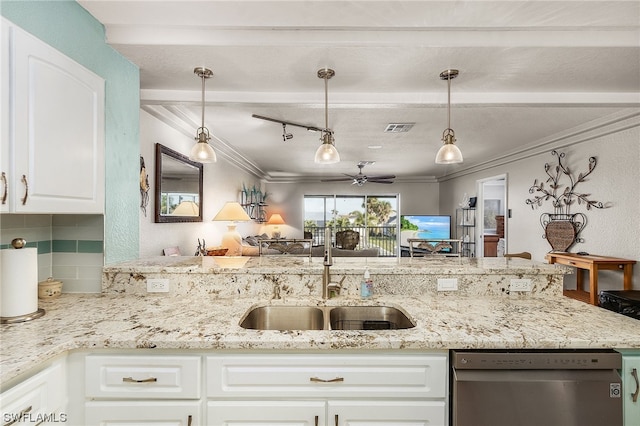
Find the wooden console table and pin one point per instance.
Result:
(592, 263)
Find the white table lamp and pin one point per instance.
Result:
(232, 212)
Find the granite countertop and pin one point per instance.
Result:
(443, 321)
(341, 265)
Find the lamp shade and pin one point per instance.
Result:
(232, 212)
(275, 219)
(449, 154)
(186, 208)
(202, 152)
(327, 152)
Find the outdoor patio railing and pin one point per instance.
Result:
(382, 237)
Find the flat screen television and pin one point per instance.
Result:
(437, 227)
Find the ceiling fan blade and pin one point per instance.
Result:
(381, 177)
(380, 181)
(344, 179)
(288, 123)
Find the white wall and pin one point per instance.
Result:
(287, 199)
(222, 183)
(614, 231)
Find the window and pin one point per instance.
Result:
(373, 216)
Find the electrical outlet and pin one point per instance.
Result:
(520, 285)
(447, 284)
(157, 285)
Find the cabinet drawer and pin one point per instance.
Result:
(39, 398)
(112, 413)
(161, 377)
(327, 375)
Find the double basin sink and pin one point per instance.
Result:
(325, 318)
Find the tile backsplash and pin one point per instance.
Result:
(70, 247)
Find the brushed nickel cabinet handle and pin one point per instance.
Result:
(26, 189)
(19, 416)
(189, 419)
(634, 395)
(5, 188)
(132, 380)
(319, 380)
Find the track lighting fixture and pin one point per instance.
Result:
(448, 153)
(285, 136)
(202, 152)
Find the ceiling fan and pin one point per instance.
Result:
(360, 179)
(327, 152)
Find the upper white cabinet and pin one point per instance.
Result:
(52, 129)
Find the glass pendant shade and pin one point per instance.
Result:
(449, 153)
(327, 152)
(202, 152)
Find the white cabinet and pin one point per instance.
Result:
(144, 389)
(631, 387)
(5, 117)
(266, 413)
(38, 400)
(52, 129)
(386, 413)
(362, 389)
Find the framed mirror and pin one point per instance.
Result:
(178, 192)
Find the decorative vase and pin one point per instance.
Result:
(562, 230)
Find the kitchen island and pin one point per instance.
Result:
(206, 302)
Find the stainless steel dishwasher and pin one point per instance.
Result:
(536, 388)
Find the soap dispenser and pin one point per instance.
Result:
(366, 286)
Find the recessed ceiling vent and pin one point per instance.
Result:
(398, 127)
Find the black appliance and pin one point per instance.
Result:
(626, 302)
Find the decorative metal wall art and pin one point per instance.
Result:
(562, 228)
(253, 201)
(144, 187)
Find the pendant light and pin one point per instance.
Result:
(202, 152)
(448, 153)
(327, 152)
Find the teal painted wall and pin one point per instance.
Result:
(68, 27)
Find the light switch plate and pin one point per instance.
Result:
(447, 284)
(157, 285)
(520, 285)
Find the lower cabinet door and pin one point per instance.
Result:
(265, 413)
(133, 413)
(386, 413)
(631, 389)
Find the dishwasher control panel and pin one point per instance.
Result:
(536, 360)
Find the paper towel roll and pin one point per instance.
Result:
(18, 282)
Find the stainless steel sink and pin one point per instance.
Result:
(325, 318)
(283, 318)
(368, 318)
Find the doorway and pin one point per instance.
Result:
(491, 208)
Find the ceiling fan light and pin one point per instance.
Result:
(327, 152)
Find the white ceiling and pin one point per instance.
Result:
(530, 72)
